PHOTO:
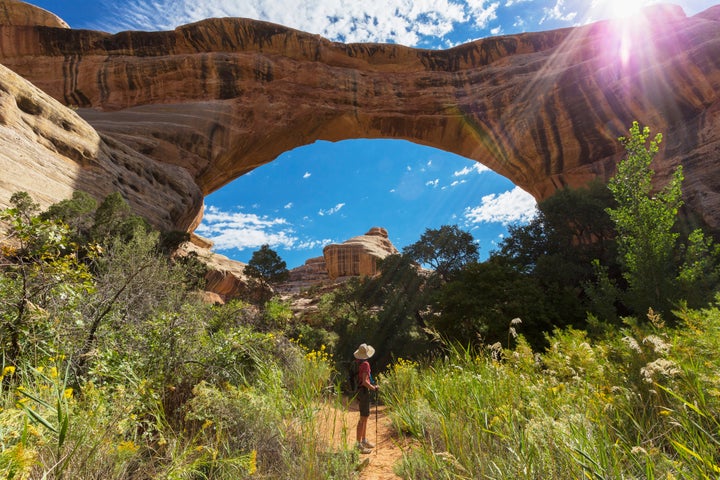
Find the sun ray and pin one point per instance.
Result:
(621, 8)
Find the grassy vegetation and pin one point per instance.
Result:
(111, 368)
(258, 417)
(642, 402)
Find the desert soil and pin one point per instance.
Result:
(338, 426)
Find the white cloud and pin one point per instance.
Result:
(307, 175)
(239, 230)
(475, 167)
(398, 21)
(288, 205)
(483, 13)
(515, 205)
(331, 211)
(432, 183)
(457, 182)
(557, 12)
(313, 244)
(496, 31)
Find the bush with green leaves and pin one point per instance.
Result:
(108, 364)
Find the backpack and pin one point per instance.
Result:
(353, 376)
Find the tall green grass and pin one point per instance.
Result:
(640, 403)
(265, 424)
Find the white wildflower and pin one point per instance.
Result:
(658, 367)
(638, 450)
(658, 344)
(632, 344)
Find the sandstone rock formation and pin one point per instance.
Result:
(225, 278)
(13, 12)
(359, 255)
(312, 273)
(47, 150)
(182, 113)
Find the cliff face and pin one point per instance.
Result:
(213, 100)
(49, 151)
(359, 255)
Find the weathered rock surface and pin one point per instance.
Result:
(225, 278)
(47, 150)
(189, 110)
(13, 12)
(359, 255)
(312, 273)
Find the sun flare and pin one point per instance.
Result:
(622, 8)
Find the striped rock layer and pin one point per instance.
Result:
(181, 113)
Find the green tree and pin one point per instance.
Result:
(555, 250)
(114, 219)
(478, 305)
(42, 282)
(134, 283)
(699, 274)
(77, 213)
(446, 250)
(384, 310)
(266, 264)
(644, 219)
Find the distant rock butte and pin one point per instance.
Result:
(359, 255)
(311, 274)
(355, 257)
(179, 114)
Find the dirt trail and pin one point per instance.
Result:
(338, 425)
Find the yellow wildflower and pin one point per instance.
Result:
(127, 447)
(9, 370)
(68, 393)
(252, 464)
(53, 372)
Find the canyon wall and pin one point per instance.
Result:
(179, 114)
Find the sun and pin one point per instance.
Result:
(622, 8)
(627, 26)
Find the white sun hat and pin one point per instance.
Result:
(364, 352)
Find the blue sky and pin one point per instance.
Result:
(329, 192)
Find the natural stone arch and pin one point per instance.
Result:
(215, 99)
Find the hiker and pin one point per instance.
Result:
(362, 354)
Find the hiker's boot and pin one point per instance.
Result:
(363, 449)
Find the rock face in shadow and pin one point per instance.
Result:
(49, 151)
(215, 99)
